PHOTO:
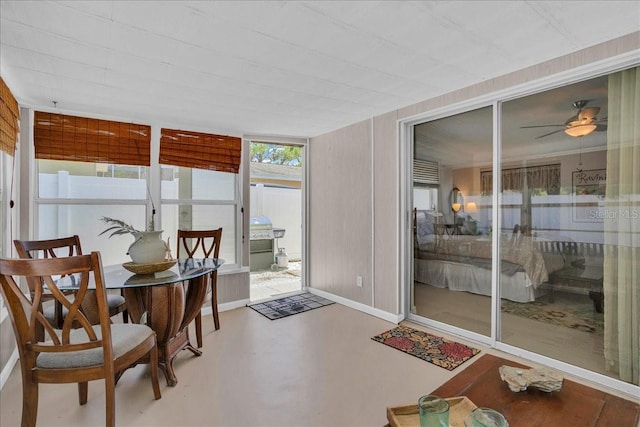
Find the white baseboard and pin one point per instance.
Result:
(206, 310)
(384, 315)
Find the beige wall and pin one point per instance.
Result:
(342, 243)
(233, 287)
(385, 188)
(340, 238)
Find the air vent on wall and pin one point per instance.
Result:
(425, 172)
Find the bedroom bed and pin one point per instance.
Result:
(462, 262)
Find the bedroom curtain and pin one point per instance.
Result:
(622, 228)
(544, 176)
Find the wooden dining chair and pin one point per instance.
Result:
(205, 243)
(64, 246)
(70, 354)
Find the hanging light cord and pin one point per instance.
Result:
(11, 202)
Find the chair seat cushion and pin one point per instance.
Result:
(124, 337)
(112, 300)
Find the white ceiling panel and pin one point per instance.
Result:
(286, 68)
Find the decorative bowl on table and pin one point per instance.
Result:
(149, 268)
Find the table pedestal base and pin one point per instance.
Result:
(168, 310)
(167, 352)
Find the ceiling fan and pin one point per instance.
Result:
(582, 124)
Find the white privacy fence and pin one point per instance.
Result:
(284, 207)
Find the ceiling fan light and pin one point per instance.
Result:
(579, 122)
(580, 130)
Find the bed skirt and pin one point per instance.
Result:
(465, 277)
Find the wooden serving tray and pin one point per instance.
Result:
(407, 416)
(155, 267)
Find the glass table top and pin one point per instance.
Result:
(117, 277)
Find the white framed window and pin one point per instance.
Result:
(197, 199)
(72, 197)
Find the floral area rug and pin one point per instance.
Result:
(568, 310)
(289, 306)
(437, 350)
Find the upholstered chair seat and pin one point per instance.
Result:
(124, 338)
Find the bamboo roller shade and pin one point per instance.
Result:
(9, 116)
(200, 150)
(63, 137)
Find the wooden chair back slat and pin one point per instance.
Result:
(207, 240)
(52, 248)
(209, 243)
(62, 247)
(57, 339)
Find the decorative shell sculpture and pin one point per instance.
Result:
(519, 379)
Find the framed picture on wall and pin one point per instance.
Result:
(589, 188)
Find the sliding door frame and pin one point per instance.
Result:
(495, 99)
(303, 143)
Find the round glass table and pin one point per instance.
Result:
(166, 301)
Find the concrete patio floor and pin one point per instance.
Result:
(268, 284)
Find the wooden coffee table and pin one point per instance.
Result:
(587, 279)
(574, 405)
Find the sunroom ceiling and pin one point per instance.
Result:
(298, 68)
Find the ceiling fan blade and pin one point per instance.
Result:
(538, 126)
(588, 113)
(550, 133)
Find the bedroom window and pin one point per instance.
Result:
(426, 182)
(520, 187)
(426, 198)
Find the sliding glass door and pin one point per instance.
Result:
(571, 198)
(452, 250)
(568, 192)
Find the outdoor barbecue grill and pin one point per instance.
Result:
(262, 249)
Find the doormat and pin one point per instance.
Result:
(288, 306)
(437, 350)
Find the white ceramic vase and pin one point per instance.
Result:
(147, 248)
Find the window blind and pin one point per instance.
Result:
(200, 150)
(63, 137)
(425, 172)
(9, 116)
